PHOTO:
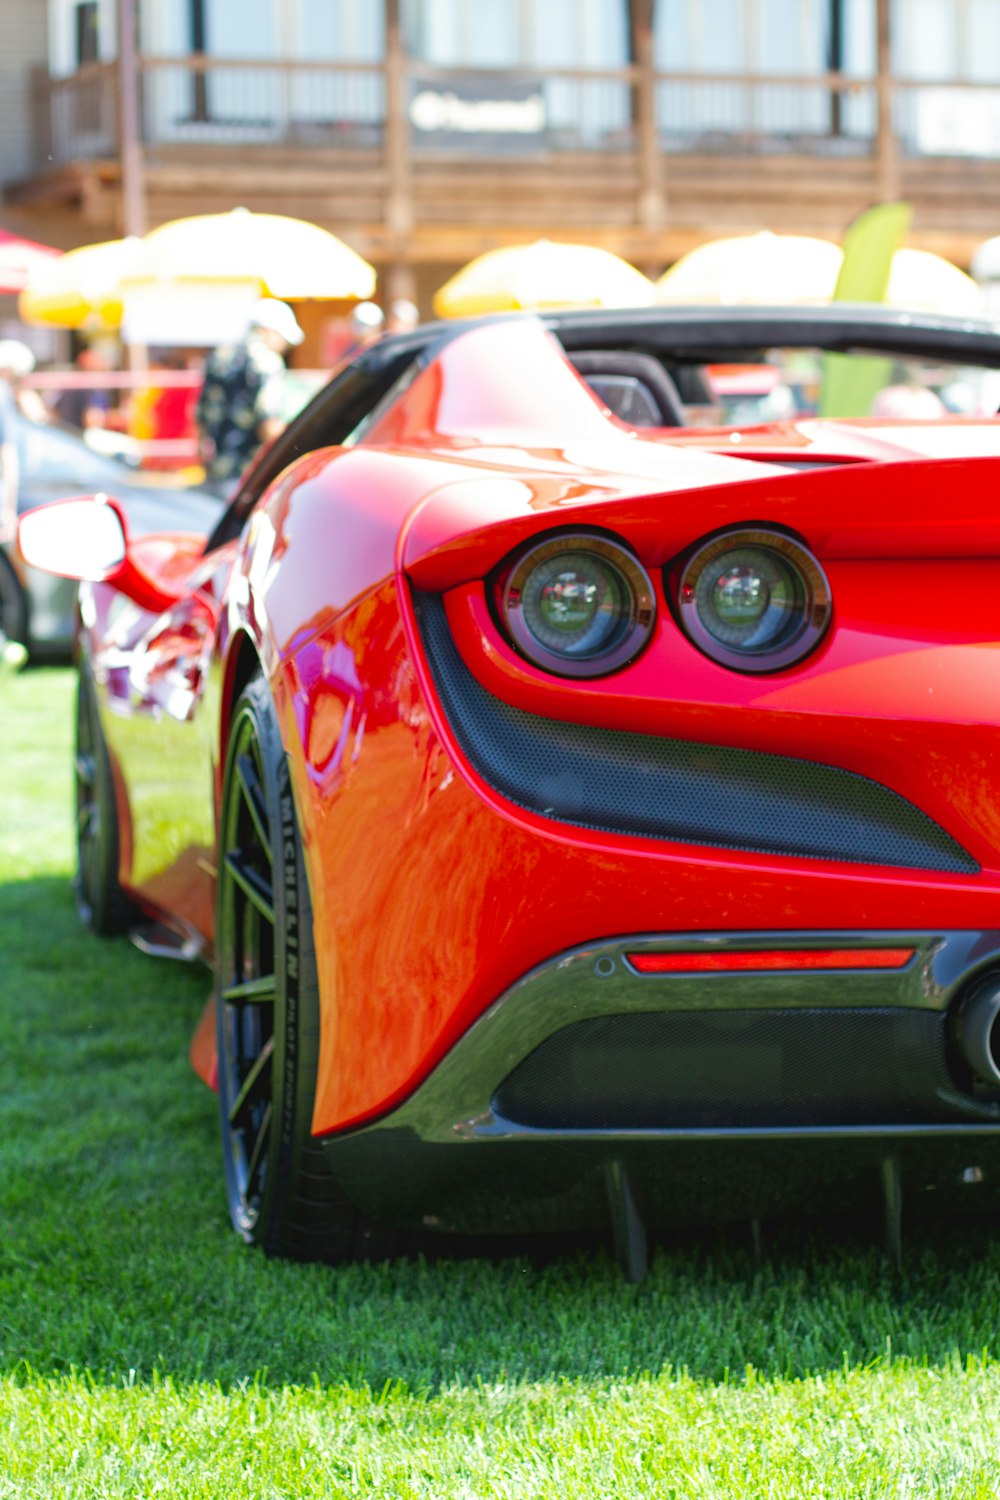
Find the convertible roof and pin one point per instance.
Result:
(702, 333)
(693, 334)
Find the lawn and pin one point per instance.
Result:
(143, 1351)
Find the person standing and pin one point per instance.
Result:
(85, 406)
(239, 407)
(344, 338)
(15, 359)
(404, 316)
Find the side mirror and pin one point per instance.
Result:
(82, 538)
(87, 538)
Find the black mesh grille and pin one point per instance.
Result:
(718, 1069)
(618, 782)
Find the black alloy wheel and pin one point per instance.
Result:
(100, 900)
(281, 1194)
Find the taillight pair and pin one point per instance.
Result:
(581, 605)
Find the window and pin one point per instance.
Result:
(264, 102)
(944, 41)
(518, 33)
(794, 39)
(86, 35)
(536, 36)
(81, 32)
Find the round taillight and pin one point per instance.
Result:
(578, 605)
(755, 601)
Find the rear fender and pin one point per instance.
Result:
(936, 508)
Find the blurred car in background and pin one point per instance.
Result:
(52, 462)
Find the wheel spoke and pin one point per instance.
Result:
(254, 886)
(247, 985)
(257, 1157)
(253, 795)
(255, 1086)
(85, 772)
(259, 991)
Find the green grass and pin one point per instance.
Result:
(143, 1351)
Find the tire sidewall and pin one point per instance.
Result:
(102, 904)
(293, 1065)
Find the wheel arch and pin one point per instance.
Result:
(243, 663)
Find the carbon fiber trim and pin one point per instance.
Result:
(722, 1095)
(614, 781)
(735, 1068)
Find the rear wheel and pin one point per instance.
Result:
(281, 1194)
(101, 902)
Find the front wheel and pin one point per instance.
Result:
(281, 1194)
(100, 900)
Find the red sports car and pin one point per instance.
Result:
(591, 819)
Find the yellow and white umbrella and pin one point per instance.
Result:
(195, 280)
(539, 276)
(923, 282)
(759, 270)
(290, 259)
(81, 288)
(793, 270)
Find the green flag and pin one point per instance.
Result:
(852, 381)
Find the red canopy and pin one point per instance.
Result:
(18, 258)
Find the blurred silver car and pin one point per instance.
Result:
(51, 462)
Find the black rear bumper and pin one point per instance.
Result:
(710, 1095)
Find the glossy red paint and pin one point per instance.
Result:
(854, 441)
(731, 961)
(890, 692)
(864, 513)
(432, 894)
(202, 1053)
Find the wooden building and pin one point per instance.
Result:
(425, 131)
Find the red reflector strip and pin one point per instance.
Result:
(770, 958)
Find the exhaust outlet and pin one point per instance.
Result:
(978, 1029)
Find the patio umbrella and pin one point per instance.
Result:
(274, 256)
(924, 282)
(17, 259)
(761, 270)
(782, 270)
(542, 275)
(80, 289)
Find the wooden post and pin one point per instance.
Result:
(651, 208)
(129, 139)
(133, 195)
(401, 279)
(887, 159)
(835, 61)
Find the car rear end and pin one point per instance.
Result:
(725, 937)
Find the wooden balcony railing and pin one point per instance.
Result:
(199, 100)
(214, 101)
(76, 117)
(830, 115)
